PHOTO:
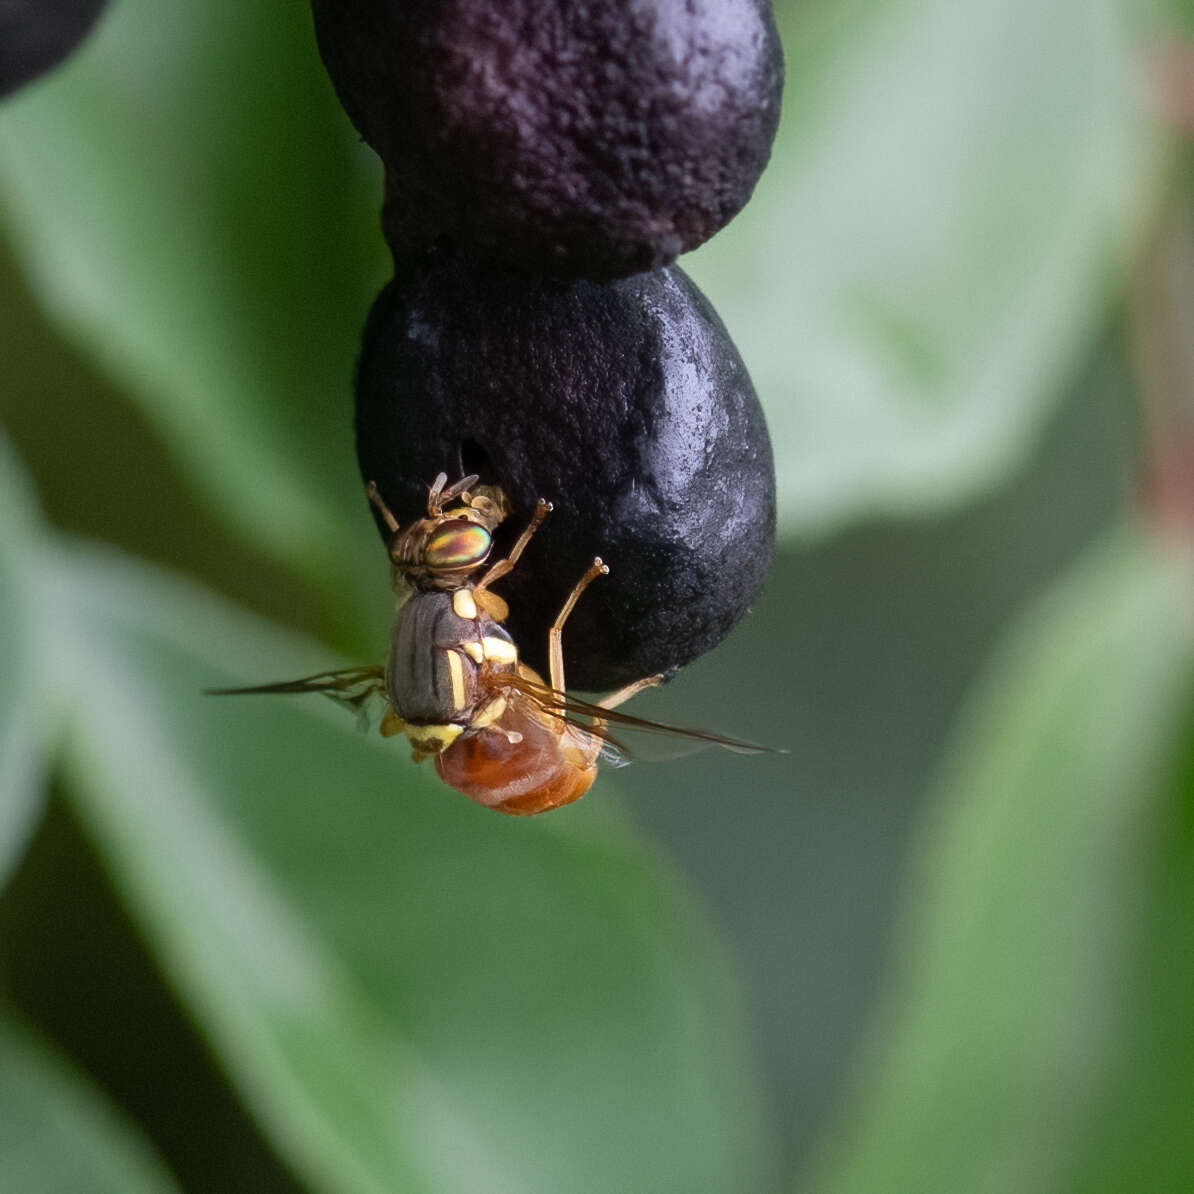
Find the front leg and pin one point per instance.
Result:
(501, 567)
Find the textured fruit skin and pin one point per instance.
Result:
(623, 403)
(577, 139)
(36, 35)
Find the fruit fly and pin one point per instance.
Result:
(453, 681)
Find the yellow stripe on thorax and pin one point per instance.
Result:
(456, 676)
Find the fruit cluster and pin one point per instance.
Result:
(546, 161)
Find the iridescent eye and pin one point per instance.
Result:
(457, 544)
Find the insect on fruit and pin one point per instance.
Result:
(453, 682)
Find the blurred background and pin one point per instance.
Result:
(947, 944)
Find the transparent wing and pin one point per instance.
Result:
(617, 725)
(353, 688)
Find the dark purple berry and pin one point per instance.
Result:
(623, 403)
(589, 139)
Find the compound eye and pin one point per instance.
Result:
(457, 544)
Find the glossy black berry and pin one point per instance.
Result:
(36, 35)
(579, 139)
(623, 403)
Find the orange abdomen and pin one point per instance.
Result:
(546, 767)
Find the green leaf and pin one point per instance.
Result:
(24, 707)
(993, 1064)
(57, 1134)
(1142, 1132)
(189, 202)
(411, 992)
(954, 188)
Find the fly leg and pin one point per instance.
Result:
(586, 746)
(622, 695)
(555, 636)
(555, 645)
(555, 656)
(501, 567)
(379, 503)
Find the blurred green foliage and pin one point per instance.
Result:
(1014, 995)
(401, 991)
(56, 1134)
(23, 695)
(958, 186)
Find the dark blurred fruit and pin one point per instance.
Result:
(36, 35)
(625, 404)
(580, 139)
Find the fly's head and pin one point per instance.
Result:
(445, 549)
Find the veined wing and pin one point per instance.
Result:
(583, 714)
(353, 688)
